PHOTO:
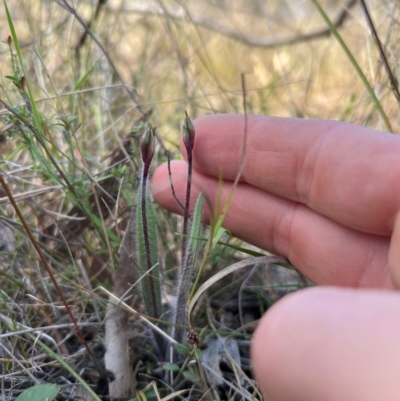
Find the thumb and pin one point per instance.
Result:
(327, 343)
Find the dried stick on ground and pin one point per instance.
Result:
(116, 339)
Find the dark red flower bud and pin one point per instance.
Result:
(147, 145)
(188, 133)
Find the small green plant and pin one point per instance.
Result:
(147, 244)
(39, 392)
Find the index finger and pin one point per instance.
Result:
(348, 173)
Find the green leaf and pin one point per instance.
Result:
(40, 392)
(181, 349)
(194, 235)
(197, 353)
(150, 282)
(83, 79)
(203, 333)
(191, 376)
(186, 274)
(172, 367)
(142, 396)
(15, 78)
(241, 249)
(218, 234)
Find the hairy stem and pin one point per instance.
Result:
(146, 238)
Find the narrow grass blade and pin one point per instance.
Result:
(218, 234)
(231, 269)
(65, 365)
(14, 37)
(35, 111)
(216, 227)
(195, 233)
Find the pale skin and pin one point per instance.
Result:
(325, 195)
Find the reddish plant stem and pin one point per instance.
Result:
(186, 215)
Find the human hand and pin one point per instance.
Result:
(324, 195)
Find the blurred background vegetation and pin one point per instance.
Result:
(177, 55)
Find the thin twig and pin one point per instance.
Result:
(51, 275)
(172, 184)
(70, 9)
(394, 83)
(82, 40)
(180, 15)
(40, 140)
(355, 65)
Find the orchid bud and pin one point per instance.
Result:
(147, 145)
(188, 133)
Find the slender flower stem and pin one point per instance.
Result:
(147, 237)
(186, 215)
(145, 175)
(188, 140)
(184, 283)
(172, 184)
